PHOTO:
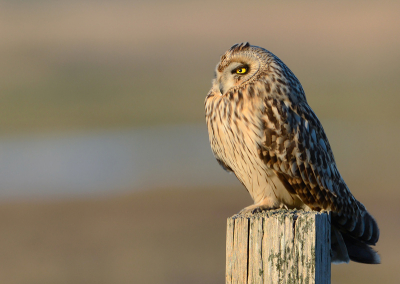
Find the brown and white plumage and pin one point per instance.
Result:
(262, 129)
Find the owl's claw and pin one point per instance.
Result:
(283, 206)
(258, 210)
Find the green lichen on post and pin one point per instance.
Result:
(312, 260)
(279, 260)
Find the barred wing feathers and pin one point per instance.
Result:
(296, 148)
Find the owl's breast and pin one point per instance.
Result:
(236, 135)
(234, 132)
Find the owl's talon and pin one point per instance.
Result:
(257, 210)
(284, 206)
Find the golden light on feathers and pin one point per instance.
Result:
(262, 129)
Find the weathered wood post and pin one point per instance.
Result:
(278, 246)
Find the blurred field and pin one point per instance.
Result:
(84, 65)
(96, 64)
(151, 237)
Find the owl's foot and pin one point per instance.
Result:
(257, 208)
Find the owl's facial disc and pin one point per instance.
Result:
(234, 75)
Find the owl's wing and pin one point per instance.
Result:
(295, 146)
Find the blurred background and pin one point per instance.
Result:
(106, 173)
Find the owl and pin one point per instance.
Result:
(262, 129)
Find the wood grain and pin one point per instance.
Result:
(278, 246)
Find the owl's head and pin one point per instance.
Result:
(243, 64)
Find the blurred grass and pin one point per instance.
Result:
(69, 65)
(165, 236)
(102, 64)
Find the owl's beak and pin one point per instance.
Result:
(221, 89)
(218, 86)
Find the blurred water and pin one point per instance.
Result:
(106, 161)
(103, 162)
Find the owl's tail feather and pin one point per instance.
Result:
(357, 235)
(366, 228)
(359, 251)
(345, 248)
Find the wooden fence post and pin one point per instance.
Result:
(278, 246)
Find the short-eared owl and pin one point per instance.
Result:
(262, 129)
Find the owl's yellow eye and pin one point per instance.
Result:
(241, 70)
